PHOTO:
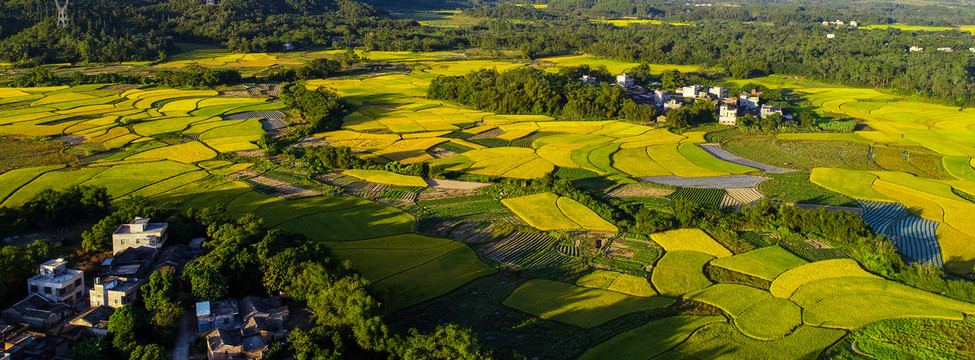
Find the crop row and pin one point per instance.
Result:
(704, 197)
(546, 259)
(728, 201)
(518, 247)
(567, 250)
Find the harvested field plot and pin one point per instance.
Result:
(576, 305)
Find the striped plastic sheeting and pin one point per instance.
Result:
(914, 237)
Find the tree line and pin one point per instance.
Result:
(535, 91)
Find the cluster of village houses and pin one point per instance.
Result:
(856, 24)
(58, 311)
(729, 109)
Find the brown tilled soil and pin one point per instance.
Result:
(637, 190)
(283, 189)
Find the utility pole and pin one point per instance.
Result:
(62, 13)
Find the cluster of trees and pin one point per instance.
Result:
(261, 261)
(316, 69)
(321, 107)
(144, 329)
(42, 76)
(55, 210)
(323, 159)
(108, 31)
(778, 12)
(17, 264)
(534, 91)
(197, 76)
(700, 112)
(192, 76)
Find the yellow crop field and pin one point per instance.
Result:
(540, 211)
(690, 240)
(547, 211)
(386, 177)
(791, 280)
(190, 152)
(621, 283)
(61, 97)
(582, 215)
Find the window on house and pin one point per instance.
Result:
(47, 290)
(33, 288)
(61, 292)
(77, 282)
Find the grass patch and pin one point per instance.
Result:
(796, 188)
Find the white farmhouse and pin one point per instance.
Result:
(57, 283)
(140, 233)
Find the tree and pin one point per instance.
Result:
(124, 327)
(679, 118)
(806, 120)
(206, 282)
(148, 352)
(446, 342)
(93, 348)
(160, 299)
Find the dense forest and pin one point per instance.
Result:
(738, 41)
(534, 91)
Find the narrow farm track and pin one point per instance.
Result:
(915, 237)
(716, 151)
(713, 182)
